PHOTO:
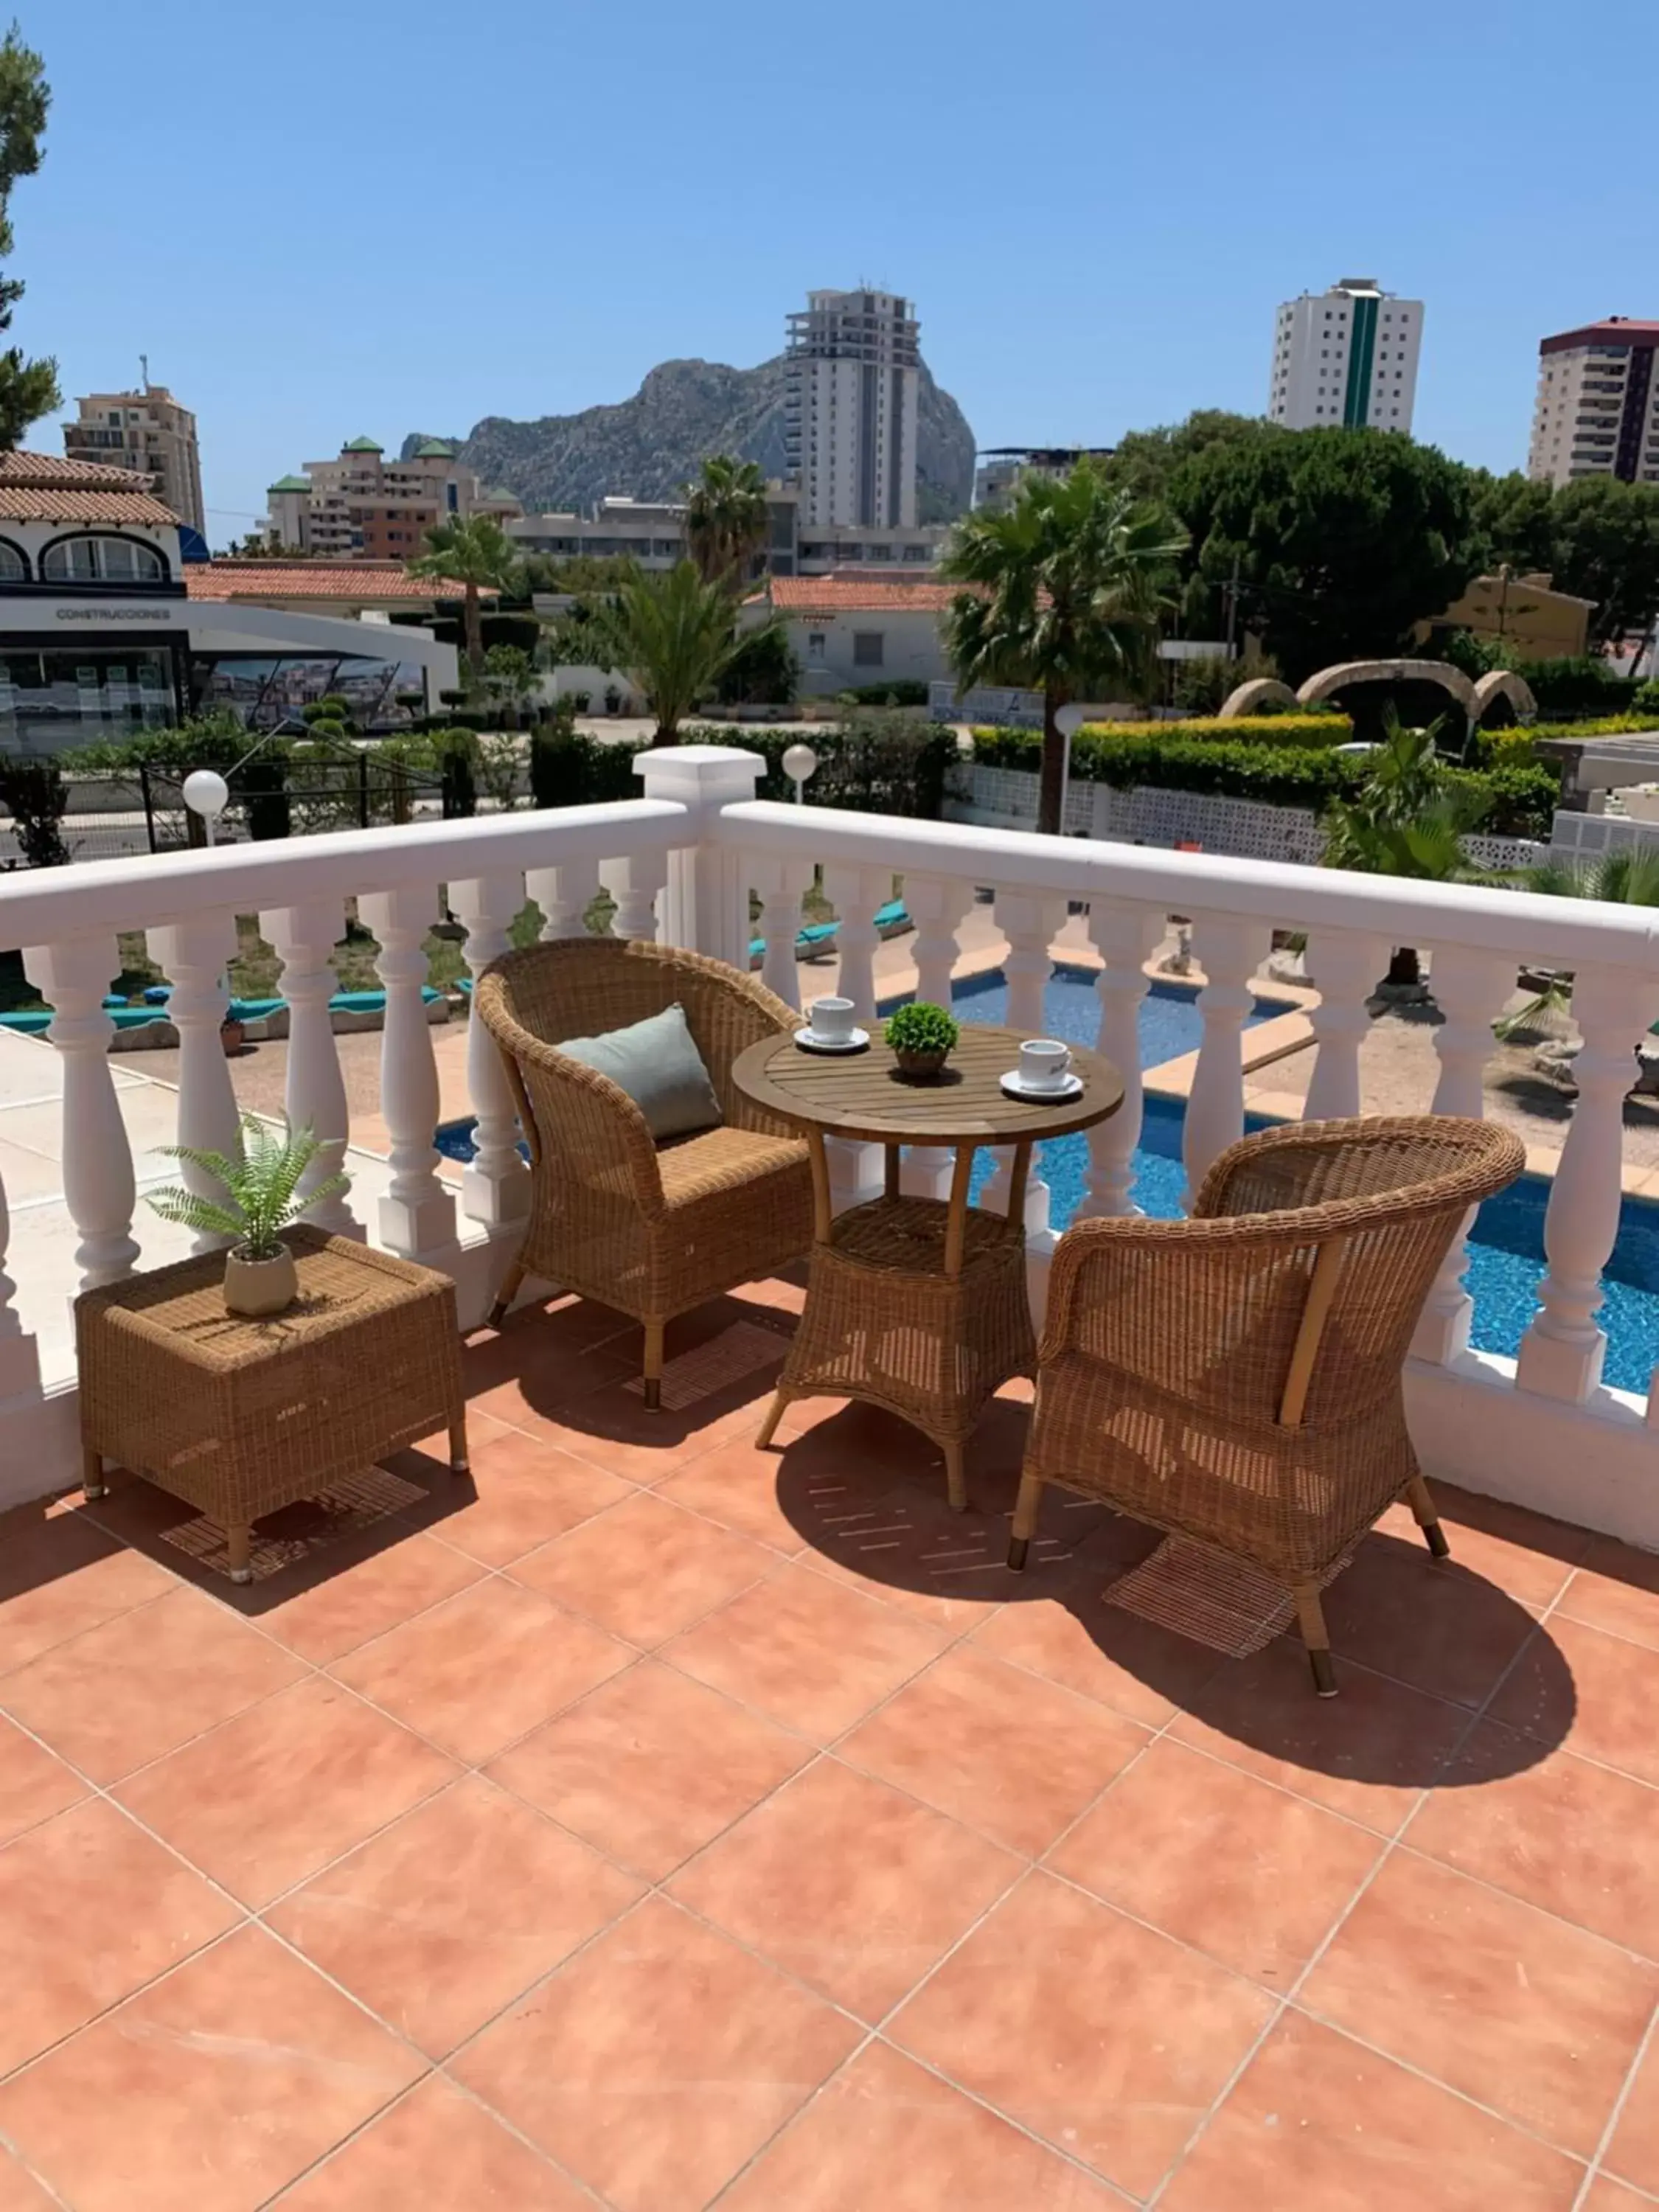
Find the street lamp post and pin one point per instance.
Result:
(799, 762)
(1068, 721)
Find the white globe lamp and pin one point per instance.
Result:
(207, 793)
(799, 762)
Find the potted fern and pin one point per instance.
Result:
(921, 1036)
(261, 1182)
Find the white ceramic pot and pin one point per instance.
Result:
(258, 1287)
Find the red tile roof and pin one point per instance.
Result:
(858, 595)
(22, 503)
(52, 469)
(314, 579)
(42, 488)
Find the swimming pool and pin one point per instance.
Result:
(1170, 1024)
(1506, 1250)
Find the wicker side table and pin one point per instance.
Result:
(239, 1417)
(915, 1305)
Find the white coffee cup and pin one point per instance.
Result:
(1044, 1062)
(832, 1020)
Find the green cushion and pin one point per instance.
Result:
(657, 1063)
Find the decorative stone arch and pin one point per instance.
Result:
(1250, 698)
(1504, 683)
(1329, 681)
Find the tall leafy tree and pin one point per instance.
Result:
(726, 518)
(28, 389)
(1606, 549)
(1515, 519)
(1064, 591)
(476, 552)
(1340, 539)
(674, 634)
(1145, 461)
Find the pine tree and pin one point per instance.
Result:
(28, 389)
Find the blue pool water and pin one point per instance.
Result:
(1170, 1023)
(1506, 1250)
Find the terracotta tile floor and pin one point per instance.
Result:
(654, 1822)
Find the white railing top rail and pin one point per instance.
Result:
(154, 889)
(1563, 933)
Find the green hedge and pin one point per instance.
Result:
(1304, 729)
(904, 691)
(1023, 748)
(1523, 794)
(875, 763)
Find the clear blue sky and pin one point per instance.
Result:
(321, 217)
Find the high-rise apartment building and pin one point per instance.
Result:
(1347, 357)
(145, 430)
(1002, 470)
(1598, 409)
(850, 409)
(363, 506)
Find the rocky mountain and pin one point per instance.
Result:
(647, 447)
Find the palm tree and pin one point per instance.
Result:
(726, 518)
(1065, 589)
(675, 637)
(475, 551)
(1406, 820)
(1626, 876)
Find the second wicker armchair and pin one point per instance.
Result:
(651, 1229)
(1237, 1378)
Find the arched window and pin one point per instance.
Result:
(13, 568)
(102, 561)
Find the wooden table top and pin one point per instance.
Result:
(863, 1095)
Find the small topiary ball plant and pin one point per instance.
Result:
(921, 1036)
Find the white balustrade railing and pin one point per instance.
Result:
(685, 861)
(65, 922)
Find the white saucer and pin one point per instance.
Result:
(855, 1040)
(1070, 1085)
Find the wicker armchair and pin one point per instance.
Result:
(653, 1229)
(1236, 1377)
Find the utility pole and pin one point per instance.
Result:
(1229, 600)
(143, 364)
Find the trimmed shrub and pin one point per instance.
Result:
(1023, 748)
(902, 691)
(875, 763)
(1569, 688)
(569, 769)
(1523, 794)
(1305, 727)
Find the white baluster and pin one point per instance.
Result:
(193, 956)
(564, 895)
(1125, 936)
(705, 903)
(72, 976)
(495, 1186)
(1561, 1353)
(20, 1350)
(1345, 966)
(635, 884)
(1031, 921)
(780, 883)
(856, 894)
(1469, 988)
(1230, 952)
(304, 938)
(936, 904)
(417, 1214)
